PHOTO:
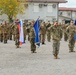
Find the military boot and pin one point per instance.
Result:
(54, 56)
(57, 57)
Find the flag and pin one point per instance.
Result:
(21, 35)
(75, 22)
(75, 36)
(37, 32)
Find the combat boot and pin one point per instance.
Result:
(57, 57)
(54, 56)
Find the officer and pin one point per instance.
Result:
(56, 37)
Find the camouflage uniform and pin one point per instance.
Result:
(1, 33)
(56, 37)
(48, 32)
(10, 32)
(28, 30)
(64, 31)
(42, 33)
(17, 43)
(71, 29)
(5, 33)
(32, 39)
(13, 32)
(24, 31)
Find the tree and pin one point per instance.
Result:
(11, 8)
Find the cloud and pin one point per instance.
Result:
(70, 3)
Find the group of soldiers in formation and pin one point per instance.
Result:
(53, 31)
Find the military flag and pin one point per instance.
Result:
(21, 36)
(37, 32)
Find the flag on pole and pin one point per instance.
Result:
(21, 35)
(37, 32)
(75, 36)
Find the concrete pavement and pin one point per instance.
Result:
(22, 62)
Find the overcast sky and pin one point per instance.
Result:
(70, 3)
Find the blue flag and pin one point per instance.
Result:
(37, 32)
(75, 36)
(75, 22)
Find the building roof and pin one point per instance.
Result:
(49, 1)
(66, 9)
(45, 1)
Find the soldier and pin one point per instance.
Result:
(13, 31)
(64, 31)
(42, 33)
(48, 31)
(1, 33)
(32, 38)
(71, 29)
(56, 37)
(5, 33)
(10, 31)
(17, 43)
(28, 29)
(24, 31)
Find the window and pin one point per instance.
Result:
(36, 8)
(49, 8)
(69, 13)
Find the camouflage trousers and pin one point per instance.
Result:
(48, 36)
(33, 46)
(17, 43)
(65, 37)
(56, 46)
(1, 37)
(5, 37)
(71, 44)
(42, 38)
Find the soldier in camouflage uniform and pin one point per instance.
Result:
(1, 33)
(17, 43)
(13, 31)
(71, 29)
(56, 37)
(24, 31)
(5, 33)
(32, 38)
(64, 31)
(28, 29)
(48, 31)
(10, 33)
(42, 33)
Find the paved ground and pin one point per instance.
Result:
(22, 62)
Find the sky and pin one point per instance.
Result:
(70, 3)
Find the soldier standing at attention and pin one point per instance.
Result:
(42, 33)
(17, 43)
(71, 29)
(1, 33)
(56, 37)
(32, 38)
(5, 33)
(24, 31)
(48, 31)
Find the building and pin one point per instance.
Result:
(67, 14)
(45, 10)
